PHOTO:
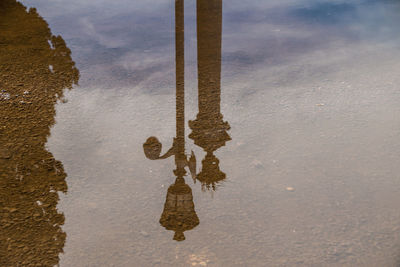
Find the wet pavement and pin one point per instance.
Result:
(199, 133)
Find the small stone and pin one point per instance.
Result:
(290, 189)
(257, 164)
(143, 233)
(4, 153)
(11, 210)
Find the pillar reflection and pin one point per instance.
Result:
(209, 130)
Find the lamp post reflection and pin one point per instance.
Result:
(209, 131)
(179, 213)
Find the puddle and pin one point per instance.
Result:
(199, 133)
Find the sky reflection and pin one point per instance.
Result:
(310, 90)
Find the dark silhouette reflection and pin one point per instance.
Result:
(209, 131)
(179, 214)
(35, 68)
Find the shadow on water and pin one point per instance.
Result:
(35, 68)
(209, 131)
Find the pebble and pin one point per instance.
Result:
(143, 233)
(4, 153)
(290, 189)
(257, 164)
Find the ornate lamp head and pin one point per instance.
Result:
(179, 214)
(210, 174)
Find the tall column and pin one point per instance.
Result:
(209, 30)
(209, 131)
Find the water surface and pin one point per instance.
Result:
(277, 119)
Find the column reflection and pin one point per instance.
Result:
(209, 131)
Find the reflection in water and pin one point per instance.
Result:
(179, 214)
(209, 131)
(35, 68)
